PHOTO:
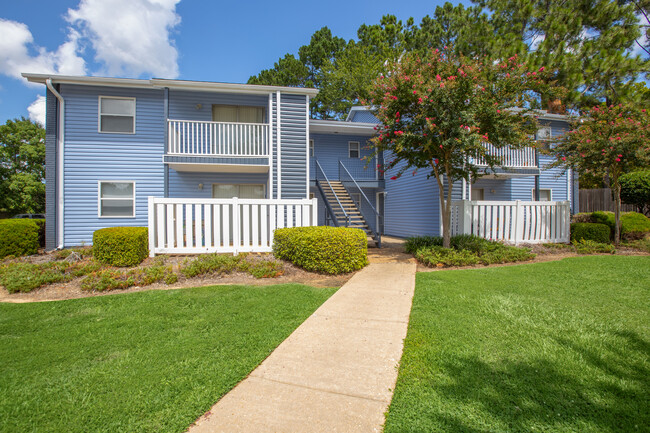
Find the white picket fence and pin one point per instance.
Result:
(191, 226)
(513, 221)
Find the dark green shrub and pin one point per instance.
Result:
(414, 243)
(41, 231)
(212, 264)
(591, 232)
(506, 254)
(18, 237)
(584, 246)
(440, 256)
(635, 189)
(473, 243)
(607, 218)
(121, 246)
(329, 250)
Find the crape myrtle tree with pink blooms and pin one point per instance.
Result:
(607, 141)
(439, 110)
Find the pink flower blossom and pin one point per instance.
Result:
(393, 178)
(438, 77)
(618, 159)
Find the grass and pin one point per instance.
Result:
(547, 347)
(141, 362)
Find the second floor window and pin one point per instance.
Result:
(116, 115)
(237, 114)
(353, 149)
(311, 147)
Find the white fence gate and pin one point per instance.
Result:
(191, 226)
(513, 221)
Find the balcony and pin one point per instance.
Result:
(511, 158)
(217, 146)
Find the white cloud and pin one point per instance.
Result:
(130, 37)
(36, 110)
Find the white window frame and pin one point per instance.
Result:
(311, 147)
(358, 144)
(100, 114)
(550, 193)
(99, 198)
(543, 136)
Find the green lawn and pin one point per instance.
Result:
(549, 347)
(151, 361)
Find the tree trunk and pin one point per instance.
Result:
(617, 211)
(445, 211)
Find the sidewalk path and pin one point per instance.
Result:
(336, 372)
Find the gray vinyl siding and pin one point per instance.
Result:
(51, 118)
(364, 117)
(294, 132)
(91, 156)
(330, 148)
(186, 184)
(501, 187)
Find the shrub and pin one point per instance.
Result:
(415, 243)
(329, 250)
(121, 246)
(18, 237)
(633, 224)
(440, 256)
(635, 189)
(41, 231)
(112, 279)
(266, 269)
(591, 232)
(506, 254)
(584, 217)
(25, 277)
(473, 243)
(584, 246)
(607, 218)
(212, 263)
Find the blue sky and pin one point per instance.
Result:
(188, 39)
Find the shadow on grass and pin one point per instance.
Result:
(603, 391)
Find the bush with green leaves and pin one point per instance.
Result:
(635, 189)
(25, 277)
(440, 256)
(584, 246)
(121, 246)
(18, 237)
(590, 232)
(634, 225)
(324, 249)
(266, 269)
(414, 243)
(113, 279)
(212, 264)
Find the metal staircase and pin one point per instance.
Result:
(340, 208)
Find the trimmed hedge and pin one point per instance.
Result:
(590, 232)
(121, 246)
(18, 237)
(329, 250)
(633, 224)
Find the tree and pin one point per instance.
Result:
(22, 167)
(439, 110)
(635, 189)
(587, 44)
(608, 141)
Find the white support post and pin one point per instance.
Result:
(314, 212)
(151, 227)
(519, 222)
(466, 217)
(236, 226)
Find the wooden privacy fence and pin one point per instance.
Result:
(191, 226)
(591, 200)
(513, 221)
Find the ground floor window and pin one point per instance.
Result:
(116, 199)
(478, 194)
(226, 190)
(544, 194)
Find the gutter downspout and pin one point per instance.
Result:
(59, 162)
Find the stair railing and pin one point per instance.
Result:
(328, 206)
(343, 174)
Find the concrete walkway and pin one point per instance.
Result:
(336, 372)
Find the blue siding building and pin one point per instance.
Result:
(112, 143)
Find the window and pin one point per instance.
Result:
(311, 147)
(353, 149)
(116, 199)
(543, 137)
(225, 190)
(237, 114)
(116, 115)
(478, 194)
(544, 194)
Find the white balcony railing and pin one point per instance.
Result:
(510, 158)
(220, 139)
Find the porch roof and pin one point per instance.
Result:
(157, 83)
